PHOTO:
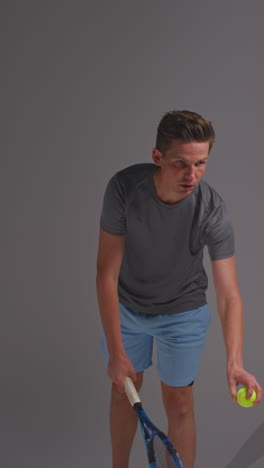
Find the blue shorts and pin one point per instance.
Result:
(180, 340)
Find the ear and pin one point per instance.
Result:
(156, 156)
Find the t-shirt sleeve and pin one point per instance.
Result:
(113, 215)
(220, 234)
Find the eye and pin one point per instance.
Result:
(201, 163)
(180, 163)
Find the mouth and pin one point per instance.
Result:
(187, 186)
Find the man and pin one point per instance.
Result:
(156, 220)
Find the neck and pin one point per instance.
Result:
(162, 191)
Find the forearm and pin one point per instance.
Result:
(109, 310)
(231, 316)
(230, 310)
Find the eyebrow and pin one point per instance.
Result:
(185, 160)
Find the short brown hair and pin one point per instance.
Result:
(185, 126)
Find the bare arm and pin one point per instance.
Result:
(230, 310)
(110, 254)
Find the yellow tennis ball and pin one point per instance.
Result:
(241, 397)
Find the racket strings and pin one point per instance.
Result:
(163, 459)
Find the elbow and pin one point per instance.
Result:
(105, 278)
(229, 303)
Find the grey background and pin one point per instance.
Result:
(84, 86)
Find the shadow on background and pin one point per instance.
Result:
(251, 451)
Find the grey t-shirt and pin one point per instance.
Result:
(162, 269)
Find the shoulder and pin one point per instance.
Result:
(126, 182)
(131, 177)
(215, 216)
(208, 196)
(210, 207)
(212, 223)
(121, 189)
(135, 172)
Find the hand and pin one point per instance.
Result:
(119, 368)
(238, 376)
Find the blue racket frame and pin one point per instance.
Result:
(146, 424)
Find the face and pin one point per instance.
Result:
(181, 168)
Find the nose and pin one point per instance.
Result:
(190, 173)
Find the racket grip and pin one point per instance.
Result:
(131, 392)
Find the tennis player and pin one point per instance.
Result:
(155, 222)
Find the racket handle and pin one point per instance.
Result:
(131, 392)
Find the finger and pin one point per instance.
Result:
(254, 387)
(259, 392)
(116, 388)
(233, 391)
(250, 392)
(133, 375)
(120, 387)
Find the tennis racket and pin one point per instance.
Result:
(160, 451)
